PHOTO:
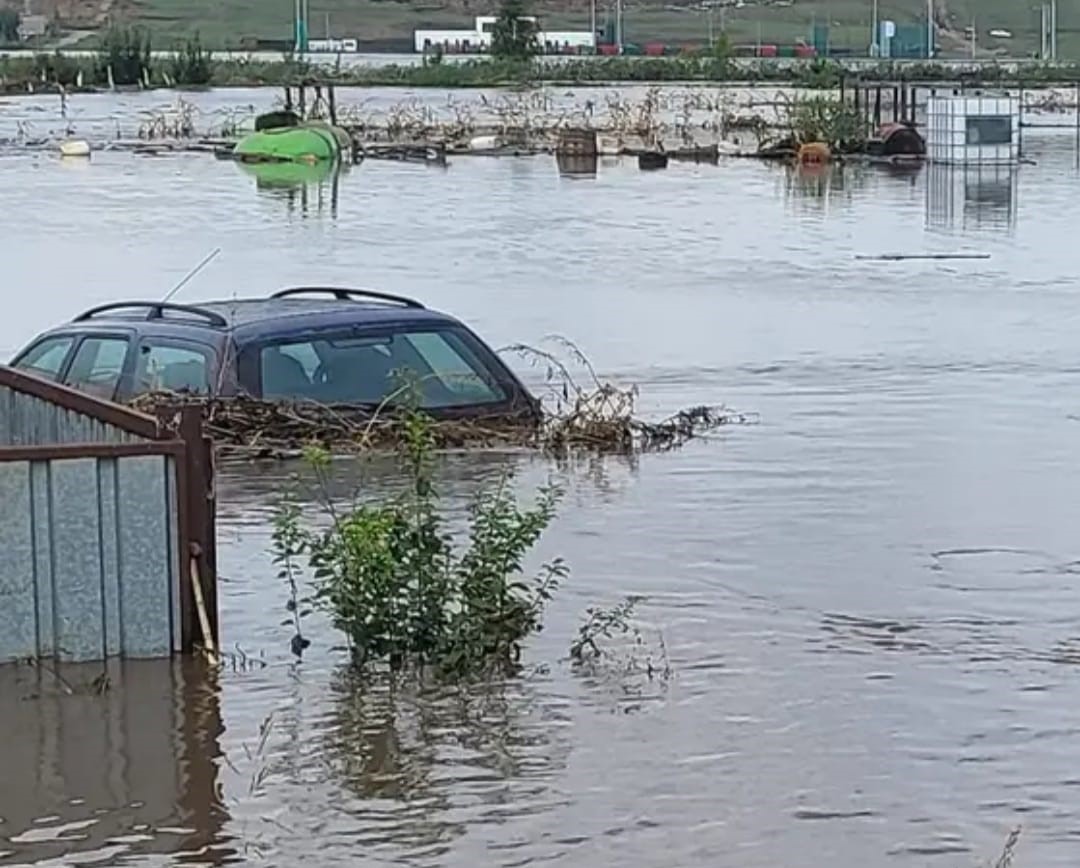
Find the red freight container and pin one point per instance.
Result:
(767, 51)
(609, 49)
(654, 49)
(805, 51)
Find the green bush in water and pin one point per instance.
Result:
(393, 580)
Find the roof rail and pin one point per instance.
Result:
(155, 310)
(344, 294)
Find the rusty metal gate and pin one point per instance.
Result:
(106, 523)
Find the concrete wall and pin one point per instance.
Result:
(89, 566)
(27, 420)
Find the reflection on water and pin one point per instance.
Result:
(577, 165)
(971, 197)
(306, 188)
(455, 756)
(110, 763)
(824, 185)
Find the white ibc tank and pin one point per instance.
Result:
(973, 128)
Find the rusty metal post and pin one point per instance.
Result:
(200, 509)
(332, 103)
(895, 104)
(877, 108)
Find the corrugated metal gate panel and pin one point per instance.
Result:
(90, 566)
(27, 420)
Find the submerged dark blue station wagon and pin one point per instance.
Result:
(328, 345)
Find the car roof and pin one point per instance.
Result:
(254, 318)
(247, 319)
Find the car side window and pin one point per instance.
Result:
(97, 366)
(46, 358)
(171, 368)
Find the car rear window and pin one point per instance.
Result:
(165, 367)
(349, 369)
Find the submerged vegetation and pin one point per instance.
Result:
(404, 595)
(821, 119)
(413, 596)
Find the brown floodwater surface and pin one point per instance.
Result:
(869, 600)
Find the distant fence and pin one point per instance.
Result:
(105, 516)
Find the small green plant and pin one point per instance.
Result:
(395, 584)
(611, 648)
(192, 65)
(289, 543)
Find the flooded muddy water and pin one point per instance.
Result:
(869, 600)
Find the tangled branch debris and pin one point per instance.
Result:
(599, 417)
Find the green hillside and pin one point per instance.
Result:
(227, 22)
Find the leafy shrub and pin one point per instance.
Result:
(394, 582)
(823, 119)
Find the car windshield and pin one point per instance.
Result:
(444, 364)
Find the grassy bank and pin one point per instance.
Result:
(192, 67)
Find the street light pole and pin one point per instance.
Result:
(592, 18)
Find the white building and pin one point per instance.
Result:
(478, 40)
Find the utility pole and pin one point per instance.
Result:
(973, 33)
(1053, 30)
(592, 18)
(929, 29)
(618, 25)
(712, 40)
(1043, 34)
(875, 48)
